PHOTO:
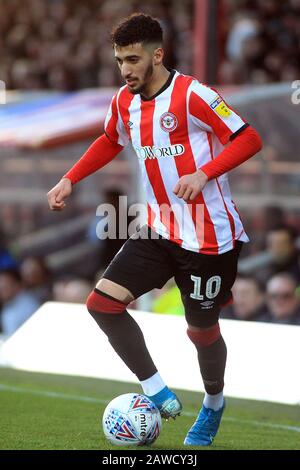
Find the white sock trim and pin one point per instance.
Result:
(152, 385)
(215, 402)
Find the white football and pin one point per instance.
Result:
(131, 419)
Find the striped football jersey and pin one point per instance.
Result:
(174, 133)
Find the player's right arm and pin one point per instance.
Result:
(101, 152)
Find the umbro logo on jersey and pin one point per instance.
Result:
(168, 122)
(159, 152)
(129, 124)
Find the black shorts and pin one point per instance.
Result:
(205, 281)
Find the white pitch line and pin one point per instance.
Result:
(83, 398)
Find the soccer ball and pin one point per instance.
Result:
(131, 419)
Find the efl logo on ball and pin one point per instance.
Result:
(168, 122)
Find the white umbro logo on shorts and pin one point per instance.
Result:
(207, 304)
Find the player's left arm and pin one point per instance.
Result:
(212, 114)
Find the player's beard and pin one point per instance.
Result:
(147, 76)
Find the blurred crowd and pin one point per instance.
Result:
(262, 42)
(272, 293)
(26, 285)
(65, 44)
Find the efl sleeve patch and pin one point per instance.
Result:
(210, 112)
(219, 106)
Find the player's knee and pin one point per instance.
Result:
(99, 303)
(204, 337)
(106, 311)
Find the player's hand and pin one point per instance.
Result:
(56, 196)
(189, 186)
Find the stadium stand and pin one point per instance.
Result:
(65, 45)
(262, 41)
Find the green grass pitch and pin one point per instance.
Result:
(45, 411)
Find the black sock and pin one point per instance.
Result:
(212, 362)
(127, 339)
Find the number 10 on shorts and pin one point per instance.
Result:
(212, 288)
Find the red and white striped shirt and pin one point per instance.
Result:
(173, 134)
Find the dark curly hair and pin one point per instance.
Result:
(137, 28)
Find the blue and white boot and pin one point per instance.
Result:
(205, 428)
(167, 403)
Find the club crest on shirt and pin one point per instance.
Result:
(168, 122)
(219, 106)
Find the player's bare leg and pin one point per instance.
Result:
(107, 305)
(212, 354)
(115, 290)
